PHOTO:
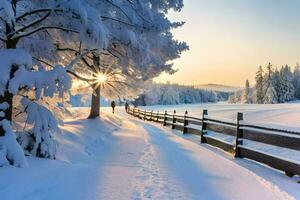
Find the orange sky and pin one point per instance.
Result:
(229, 39)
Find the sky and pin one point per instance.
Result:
(229, 39)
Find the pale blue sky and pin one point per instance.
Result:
(229, 39)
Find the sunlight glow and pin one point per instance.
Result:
(101, 78)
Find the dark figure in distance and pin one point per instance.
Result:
(113, 105)
(126, 106)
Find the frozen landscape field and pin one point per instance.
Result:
(121, 157)
(286, 115)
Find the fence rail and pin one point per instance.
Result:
(239, 130)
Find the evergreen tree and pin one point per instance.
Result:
(259, 94)
(296, 81)
(276, 83)
(246, 93)
(270, 95)
(286, 88)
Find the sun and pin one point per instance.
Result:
(101, 78)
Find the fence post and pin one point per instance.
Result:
(185, 122)
(239, 135)
(174, 120)
(157, 116)
(145, 112)
(133, 112)
(165, 119)
(203, 127)
(151, 115)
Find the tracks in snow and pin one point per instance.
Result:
(151, 182)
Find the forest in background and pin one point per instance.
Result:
(173, 94)
(272, 85)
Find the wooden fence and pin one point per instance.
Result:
(240, 130)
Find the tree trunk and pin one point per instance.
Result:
(95, 107)
(7, 96)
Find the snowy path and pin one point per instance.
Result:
(120, 157)
(158, 164)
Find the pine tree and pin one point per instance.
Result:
(246, 93)
(276, 83)
(270, 95)
(259, 94)
(286, 88)
(296, 81)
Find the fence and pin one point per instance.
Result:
(239, 130)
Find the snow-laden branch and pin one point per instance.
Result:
(44, 28)
(118, 7)
(48, 82)
(18, 18)
(123, 22)
(80, 77)
(37, 21)
(79, 57)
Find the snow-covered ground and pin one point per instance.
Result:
(280, 114)
(121, 157)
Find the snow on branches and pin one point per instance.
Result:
(48, 82)
(39, 140)
(136, 36)
(10, 58)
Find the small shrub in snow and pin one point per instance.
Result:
(3, 160)
(14, 152)
(39, 140)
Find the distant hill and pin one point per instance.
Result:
(218, 87)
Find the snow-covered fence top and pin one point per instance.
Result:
(265, 144)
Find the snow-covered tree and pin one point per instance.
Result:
(296, 81)
(270, 95)
(140, 47)
(287, 90)
(33, 26)
(135, 33)
(259, 93)
(246, 98)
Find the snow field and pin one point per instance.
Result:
(121, 157)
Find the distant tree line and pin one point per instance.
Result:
(271, 86)
(172, 94)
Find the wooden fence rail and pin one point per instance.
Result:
(238, 130)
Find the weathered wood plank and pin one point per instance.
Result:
(275, 162)
(178, 127)
(221, 129)
(168, 123)
(191, 121)
(181, 120)
(210, 120)
(270, 129)
(219, 143)
(193, 131)
(273, 139)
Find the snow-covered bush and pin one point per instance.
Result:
(39, 140)
(10, 147)
(26, 81)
